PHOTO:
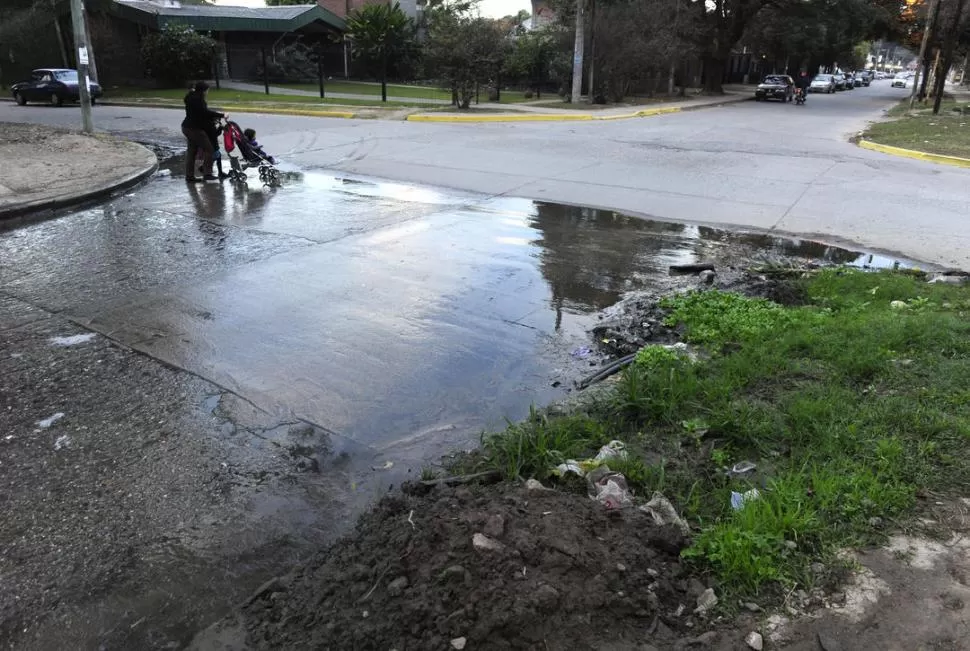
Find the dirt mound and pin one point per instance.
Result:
(549, 570)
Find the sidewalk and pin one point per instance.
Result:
(530, 113)
(48, 169)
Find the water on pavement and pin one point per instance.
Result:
(307, 335)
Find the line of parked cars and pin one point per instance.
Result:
(782, 87)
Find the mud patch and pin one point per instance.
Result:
(549, 570)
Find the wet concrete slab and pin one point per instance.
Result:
(235, 366)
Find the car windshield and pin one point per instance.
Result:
(824, 78)
(66, 75)
(775, 80)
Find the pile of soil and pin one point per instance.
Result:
(565, 574)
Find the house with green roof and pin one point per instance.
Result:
(118, 28)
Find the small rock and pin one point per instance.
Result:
(459, 643)
(534, 485)
(827, 643)
(707, 277)
(706, 602)
(483, 542)
(818, 568)
(752, 607)
(898, 305)
(679, 611)
(791, 544)
(453, 572)
(494, 526)
(547, 597)
(695, 588)
(705, 639)
(652, 572)
(755, 641)
(621, 567)
(875, 522)
(397, 586)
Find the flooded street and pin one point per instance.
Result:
(266, 363)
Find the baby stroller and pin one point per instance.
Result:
(242, 156)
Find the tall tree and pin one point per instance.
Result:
(380, 32)
(463, 50)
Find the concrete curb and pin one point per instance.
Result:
(941, 159)
(567, 117)
(28, 211)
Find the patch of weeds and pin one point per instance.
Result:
(428, 473)
(848, 406)
(536, 446)
(716, 317)
(653, 357)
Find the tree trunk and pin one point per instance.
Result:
(947, 61)
(591, 90)
(578, 44)
(931, 18)
(60, 36)
(383, 75)
(714, 73)
(670, 78)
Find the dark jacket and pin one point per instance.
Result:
(803, 82)
(197, 113)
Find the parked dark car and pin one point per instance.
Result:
(54, 86)
(862, 79)
(839, 79)
(776, 87)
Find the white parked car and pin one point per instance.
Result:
(822, 84)
(903, 80)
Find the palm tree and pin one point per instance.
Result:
(380, 32)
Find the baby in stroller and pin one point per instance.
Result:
(244, 152)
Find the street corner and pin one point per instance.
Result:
(57, 168)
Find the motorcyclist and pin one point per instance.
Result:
(802, 84)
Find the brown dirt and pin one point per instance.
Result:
(571, 575)
(51, 163)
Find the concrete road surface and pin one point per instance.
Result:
(201, 384)
(765, 165)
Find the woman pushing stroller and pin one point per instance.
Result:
(196, 127)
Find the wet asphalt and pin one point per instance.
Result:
(200, 384)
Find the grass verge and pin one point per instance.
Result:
(398, 90)
(947, 133)
(239, 97)
(851, 405)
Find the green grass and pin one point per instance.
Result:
(398, 90)
(947, 133)
(849, 405)
(236, 97)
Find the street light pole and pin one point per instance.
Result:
(81, 50)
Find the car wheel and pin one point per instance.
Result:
(56, 100)
(20, 99)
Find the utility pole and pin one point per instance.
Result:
(81, 50)
(930, 19)
(578, 51)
